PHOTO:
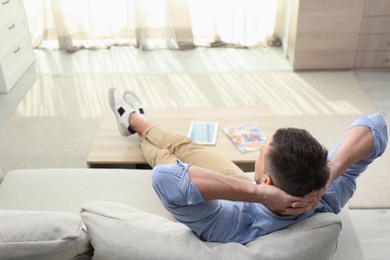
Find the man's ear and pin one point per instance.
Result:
(266, 180)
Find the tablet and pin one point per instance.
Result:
(203, 132)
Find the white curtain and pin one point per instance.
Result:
(149, 24)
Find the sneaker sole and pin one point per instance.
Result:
(112, 105)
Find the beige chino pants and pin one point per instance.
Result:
(161, 146)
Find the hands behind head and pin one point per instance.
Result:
(282, 203)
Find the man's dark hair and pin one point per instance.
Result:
(296, 162)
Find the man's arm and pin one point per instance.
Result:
(217, 186)
(356, 146)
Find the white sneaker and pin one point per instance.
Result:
(121, 110)
(135, 103)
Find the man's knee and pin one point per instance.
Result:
(160, 180)
(165, 181)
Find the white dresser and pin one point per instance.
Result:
(16, 54)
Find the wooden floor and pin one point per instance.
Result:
(372, 226)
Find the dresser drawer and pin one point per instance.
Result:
(374, 42)
(16, 60)
(8, 8)
(373, 59)
(372, 25)
(11, 31)
(377, 7)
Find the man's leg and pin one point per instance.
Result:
(160, 146)
(128, 107)
(364, 142)
(155, 155)
(190, 152)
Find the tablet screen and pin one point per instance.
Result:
(203, 132)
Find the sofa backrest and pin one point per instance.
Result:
(67, 190)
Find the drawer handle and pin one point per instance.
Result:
(17, 50)
(5, 2)
(11, 27)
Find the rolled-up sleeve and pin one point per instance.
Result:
(173, 185)
(377, 124)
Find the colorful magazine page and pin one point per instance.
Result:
(246, 137)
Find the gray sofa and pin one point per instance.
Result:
(115, 214)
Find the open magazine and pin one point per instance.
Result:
(246, 137)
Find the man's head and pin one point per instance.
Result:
(294, 161)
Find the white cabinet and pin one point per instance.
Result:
(16, 53)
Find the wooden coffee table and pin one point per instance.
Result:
(111, 150)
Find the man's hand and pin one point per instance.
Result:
(282, 203)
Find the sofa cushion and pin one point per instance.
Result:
(118, 231)
(42, 235)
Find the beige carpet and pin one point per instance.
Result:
(55, 124)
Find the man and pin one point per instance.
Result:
(214, 198)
